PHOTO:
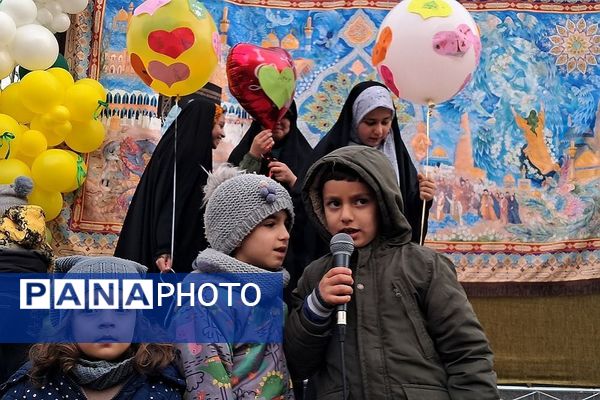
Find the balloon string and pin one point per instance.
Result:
(6, 137)
(174, 186)
(99, 109)
(424, 208)
(81, 173)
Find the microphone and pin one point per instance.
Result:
(341, 247)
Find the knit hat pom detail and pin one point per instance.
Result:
(217, 177)
(268, 191)
(23, 186)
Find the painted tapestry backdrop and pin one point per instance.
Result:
(516, 155)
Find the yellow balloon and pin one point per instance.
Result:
(73, 154)
(60, 114)
(47, 120)
(81, 171)
(40, 91)
(54, 170)
(32, 144)
(38, 124)
(63, 129)
(53, 139)
(51, 202)
(86, 136)
(54, 135)
(11, 104)
(64, 77)
(10, 130)
(191, 35)
(12, 168)
(95, 84)
(27, 160)
(82, 102)
(8, 123)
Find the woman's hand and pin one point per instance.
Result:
(427, 187)
(262, 143)
(282, 173)
(164, 263)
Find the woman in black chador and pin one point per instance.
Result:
(368, 118)
(280, 152)
(146, 234)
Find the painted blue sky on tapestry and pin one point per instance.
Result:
(538, 72)
(516, 71)
(115, 40)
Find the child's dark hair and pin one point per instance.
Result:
(338, 172)
(50, 358)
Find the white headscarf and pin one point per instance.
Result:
(370, 99)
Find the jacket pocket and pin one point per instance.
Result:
(331, 394)
(415, 315)
(425, 392)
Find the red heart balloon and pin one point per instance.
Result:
(247, 67)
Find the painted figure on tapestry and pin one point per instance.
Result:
(513, 209)
(487, 206)
(111, 169)
(536, 149)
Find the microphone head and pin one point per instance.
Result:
(341, 243)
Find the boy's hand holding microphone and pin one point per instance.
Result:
(335, 288)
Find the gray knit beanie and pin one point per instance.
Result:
(15, 194)
(108, 266)
(237, 202)
(98, 265)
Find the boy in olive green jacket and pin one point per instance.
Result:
(412, 333)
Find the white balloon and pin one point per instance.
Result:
(73, 6)
(54, 7)
(44, 17)
(61, 22)
(8, 29)
(22, 11)
(424, 59)
(7, 64)
(30, 37)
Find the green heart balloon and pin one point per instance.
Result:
(278, 86)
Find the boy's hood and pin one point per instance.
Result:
(375, 169)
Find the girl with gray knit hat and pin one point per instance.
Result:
(247, 222)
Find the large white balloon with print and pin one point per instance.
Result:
(427, 50)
